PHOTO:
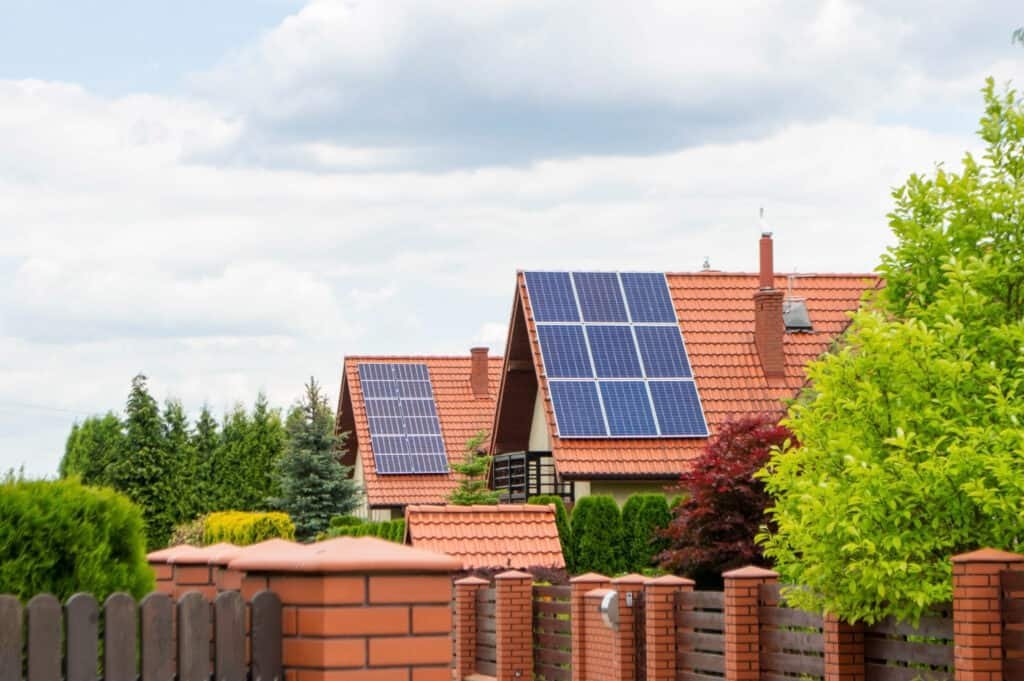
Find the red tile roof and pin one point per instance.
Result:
(507, 536)
(461, 413)
(716, 315)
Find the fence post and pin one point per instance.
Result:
(465, 625)
(626, 646)
(514, 622)
(358, 607)
(580, 586)
(977, 613)
(163, 572)
(660, 622)
(844, 649)
(742, 622)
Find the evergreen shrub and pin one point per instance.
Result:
(190, 533)
(61, 537)
(644, 519)
(244, 527)
(561, 521)
(597, 535)
(391, 530)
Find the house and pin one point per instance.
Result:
(745, 342)
(509, 536)
(401, 444)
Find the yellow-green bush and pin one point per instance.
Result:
(244, 528)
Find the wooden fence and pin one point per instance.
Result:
(792, 640)
(144, 642)
(487, 632)
(700, 635)
(899, 651)
(552, 633)
(1012, 598)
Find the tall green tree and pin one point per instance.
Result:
(182, 460)
(143, 470)
(472, 473)
(314, 485)
(231, 460)
(205, 442)
(264, 445)
(90, 449)
(911, 433)
(597, 535)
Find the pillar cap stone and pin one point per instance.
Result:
(588, 578)
(514, 574)
(195, 555)
(751, 572)
(471, 581)
(345, 554)
(988, 555)
(632, 578)
(161, 555)
(670, 580)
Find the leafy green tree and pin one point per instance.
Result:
(561, 521)
(143, 469)
(91, 447)
(472, 472)
(644, 517)
(911, 433)
(597, 535)
(314, 485)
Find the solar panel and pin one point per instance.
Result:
(405, 433)
(577, 409)
(617, 337)
(600, 296)
(648, 297)
(628, 409)
(564, 351)
(662, 351)
(678, 408)
(613, 351)
(551, 297)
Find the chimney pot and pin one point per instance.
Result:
(767, 262)
(479, 376)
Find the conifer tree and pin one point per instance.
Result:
(314, 485)
(472, 487)
(205, 442)
(183, 465)
(91, 447)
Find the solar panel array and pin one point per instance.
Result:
(405, 432)
(614, 356)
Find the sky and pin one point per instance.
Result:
(231, 197)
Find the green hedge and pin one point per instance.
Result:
(643, 516)
(244, 528)
(561, 521)
(597, 535)
(350, 526)
(62, 537)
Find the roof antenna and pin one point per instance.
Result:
(763, 224)
(707, 264)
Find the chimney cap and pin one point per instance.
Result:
(766, 235)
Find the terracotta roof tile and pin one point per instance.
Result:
(461, 413)
(506, 536)
(716, 315)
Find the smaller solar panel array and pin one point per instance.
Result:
(614, 355)
(405, 432)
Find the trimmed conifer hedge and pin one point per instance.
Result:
(643, 517)
(61, 537)
(561, 521)
(350, 526)
(597, 535)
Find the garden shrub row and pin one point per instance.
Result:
(244, 528)
(350, 526)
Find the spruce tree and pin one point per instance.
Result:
(91, 447)
(231, 461)
(264, 445)
(314, 485)
(472, 487)
(205, 442)
(183, 465)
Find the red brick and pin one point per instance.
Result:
(410, 589)
(192, 574)
(353, 621)
(392, 651)
(313, 652)
(431, 619)
(301, 590)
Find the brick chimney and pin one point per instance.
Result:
(769, 327)
(479, 373)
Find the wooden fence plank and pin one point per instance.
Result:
(266, 637)
(119, 638)
(44, 639)
(82, 616)
(157, 615)
(10, 638)
(193, 638)
(229, 620)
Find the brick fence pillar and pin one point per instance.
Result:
(844, 650)
(514, 623)
(977, 613)
(598, 648)
(742, 623)
(624, 660)
(358, 608)
(466, 590)
(191, 570)
(660, 624)
(161, 570)
(580, 586)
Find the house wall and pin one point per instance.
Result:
(540, 441)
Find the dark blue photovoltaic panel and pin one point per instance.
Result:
(564, 351)
(628, 409)
(600, 296)
(551, 297)
(678, 408)
(614, 352)
(577, 409)
(662, 351)
(405, 433)
(648, 297)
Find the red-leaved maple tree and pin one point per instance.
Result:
(713, 528)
